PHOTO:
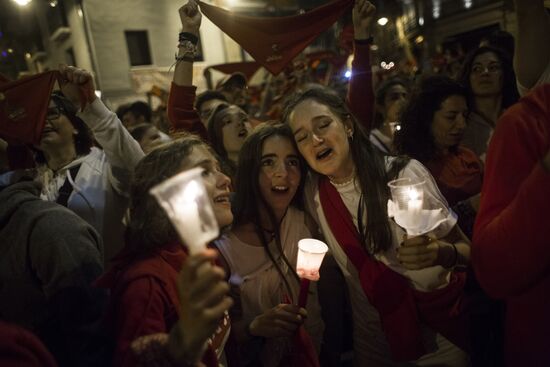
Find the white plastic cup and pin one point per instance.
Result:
(187, 204)
(310, 257)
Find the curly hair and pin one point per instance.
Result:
(415, 138)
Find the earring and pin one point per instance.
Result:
(350, 134)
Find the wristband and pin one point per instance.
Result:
(186, 36)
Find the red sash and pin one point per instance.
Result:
(401, 308)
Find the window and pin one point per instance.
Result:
(138, 48)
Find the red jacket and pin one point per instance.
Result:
(144, 299)
(511, 248)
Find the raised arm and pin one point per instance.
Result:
(181, 110)
(123, 152)
(532, 56)
(360, 93)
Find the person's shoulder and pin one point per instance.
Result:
(533, 109)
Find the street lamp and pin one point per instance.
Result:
(383, 21)
(22, 2)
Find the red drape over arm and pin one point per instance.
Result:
(181, 111)
(360, 97)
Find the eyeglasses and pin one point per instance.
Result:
(491, 69)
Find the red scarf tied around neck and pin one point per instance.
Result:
(402, 309)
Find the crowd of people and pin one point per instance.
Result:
(94, 273)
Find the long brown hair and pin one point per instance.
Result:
(370, 166)
(248, 198)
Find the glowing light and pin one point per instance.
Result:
(348, 74)
(468, 4)
(53, 3)
(10, 50)
(27, 55)
(419, 39)
(22, 2)
(436, 11)
(98, 93)
(383, 21)
(79, 12)
(421, 21)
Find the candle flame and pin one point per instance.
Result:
(413, 194)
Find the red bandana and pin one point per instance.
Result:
(23, 107)
(275, 41)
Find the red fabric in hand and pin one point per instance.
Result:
(23, 107)
(275, 41)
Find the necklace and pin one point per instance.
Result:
(347, 181)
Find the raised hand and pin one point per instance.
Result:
(190, 17)
(280, 321)
(203, 299)
(77, 85)
(364, 13)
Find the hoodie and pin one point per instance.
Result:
(48, 259)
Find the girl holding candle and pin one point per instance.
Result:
(394, 282)
(154, 268)
(263, 246)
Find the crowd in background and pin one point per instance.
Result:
(93, 272)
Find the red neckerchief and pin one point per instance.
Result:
(400, 307)
(275, 41)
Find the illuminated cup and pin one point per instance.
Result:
(186, 202)
(310, 256)
(407, 193)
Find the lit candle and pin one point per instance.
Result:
(310, 257)
(414, 203)
(184, 198)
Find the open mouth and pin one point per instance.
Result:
(222, 199)
(243, 133)
(325, 153)
(279, 189)
(48, 130)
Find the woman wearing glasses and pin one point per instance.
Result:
(90, 181)
(490, 80)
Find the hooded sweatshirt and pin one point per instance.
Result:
(48, 259)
